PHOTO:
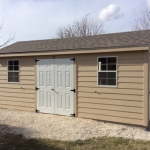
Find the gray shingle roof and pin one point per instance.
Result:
(134, 38)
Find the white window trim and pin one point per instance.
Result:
(15, 71)
(112, 86)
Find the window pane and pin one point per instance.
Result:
(10, 63)
(111, 60)
(10, 79)
(112, 67)
(111, 81)
(102, 60)
(10, 74)
(16, 79)
(16, 68)
(16, 74)
(112, 75)
(103, 67)
(16, 62)
(13, 66)
(102, 75)
(10, 67)
(102, 82)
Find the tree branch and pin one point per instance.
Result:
(142, 22)
(79, 28)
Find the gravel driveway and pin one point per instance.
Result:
(56, 127)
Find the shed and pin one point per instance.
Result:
(102, 77)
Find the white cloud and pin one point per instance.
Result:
(148, 3)
(110, 13)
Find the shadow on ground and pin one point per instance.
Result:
(18, 142)
(15, 129)
(10, 139)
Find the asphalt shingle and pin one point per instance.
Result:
(134, 38)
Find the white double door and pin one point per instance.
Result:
(54, 85)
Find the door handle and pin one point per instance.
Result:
(54, 91)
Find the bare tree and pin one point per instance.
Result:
(142, 22)
(84, 27)
(8, 40)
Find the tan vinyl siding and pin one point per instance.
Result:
(123, 114)
(111, 118)
(111, 90)
(124, 103)
(17, 107)
(105, 101)
(20, 96)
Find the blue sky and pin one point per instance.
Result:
(40, 19)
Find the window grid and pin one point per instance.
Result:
(107, 79)
(13, 71)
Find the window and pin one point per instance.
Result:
(107, 71)
(13, 71)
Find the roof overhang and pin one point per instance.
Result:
(85, 51)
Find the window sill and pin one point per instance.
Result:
(107, 86)
(13, 82)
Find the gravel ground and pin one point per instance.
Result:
(38, 125)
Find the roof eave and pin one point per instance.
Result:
(83, 51)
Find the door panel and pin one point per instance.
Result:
(45, 82)
(63, 85)
(55, 74)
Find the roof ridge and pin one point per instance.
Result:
(84, 36)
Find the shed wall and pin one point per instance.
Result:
(124, 103)
(20, 96)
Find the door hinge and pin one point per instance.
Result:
(36, 60)
(73, 59)
(73, 90)
(73, 115)
(36, 88)
(36, 111)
